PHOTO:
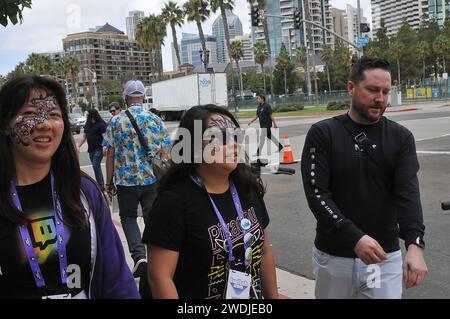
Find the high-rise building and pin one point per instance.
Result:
(234, 29)
(247, 46)
(349, 26)
(395, 12)
(436, 9)
(132, 21)
(191, 47)
(338, 17)
(110, 54)
(281, 31)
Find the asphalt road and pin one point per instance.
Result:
(292, 227)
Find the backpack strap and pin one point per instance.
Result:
(367, 146)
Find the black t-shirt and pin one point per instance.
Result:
(182, 219)
(94, 134)
(16, 277)
(264, 112)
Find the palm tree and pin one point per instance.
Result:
(174, 16)
(301, 54)
(440, 46)
(423, 51)
(261, 6)
(198, 11)
(396, 50)
(223, 6)
(73, 66)
(261, 56)
(284, 61)
(150, 33)
(236, 54)
(327, 57)
(39, 64)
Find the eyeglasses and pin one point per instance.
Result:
(226, 135)
(112, 111)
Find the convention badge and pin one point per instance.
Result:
(238, 286)
(246, 224)
(62, 296)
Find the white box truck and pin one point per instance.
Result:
(173, 97)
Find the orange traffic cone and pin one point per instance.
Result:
(288, 157)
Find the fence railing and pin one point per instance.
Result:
(303, 99)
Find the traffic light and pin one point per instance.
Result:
(297, 19)
(364, 27)
(255, 16)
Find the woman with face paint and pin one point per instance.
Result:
(57, 240)
(207, 231)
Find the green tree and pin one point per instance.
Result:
(423, 51)
(301, 56)
(3, 80)
(252, 81)
(110, 86)
(285, 79)
(73, 66)
(428, 31)
(261, 55)
(409, 60)
(19, 70)
(12, 10)
(440, 46)
(262, 6)
(150, 33)
(198, 11)
(380, 44)
(39, 64)
(236, 54)
(340, 68)
(396, 50)
(173, 16)
(327, 57)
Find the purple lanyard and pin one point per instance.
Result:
(238, 206)
(27, 243)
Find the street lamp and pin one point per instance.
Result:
(204, 58)
(94, 81)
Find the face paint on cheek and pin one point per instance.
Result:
(23, 129)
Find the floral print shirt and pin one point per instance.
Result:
(131, 165)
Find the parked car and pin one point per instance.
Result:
(77, 122)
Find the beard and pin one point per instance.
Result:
(364, 111)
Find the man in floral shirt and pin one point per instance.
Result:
(128, 164)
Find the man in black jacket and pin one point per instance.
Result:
(359, 174)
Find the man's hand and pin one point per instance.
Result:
(369, 250)
(111, 190)
(414, 267)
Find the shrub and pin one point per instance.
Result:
(288, 108)
(338, 105)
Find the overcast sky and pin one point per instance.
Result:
(49, 21)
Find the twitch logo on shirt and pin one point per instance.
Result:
(43, 232)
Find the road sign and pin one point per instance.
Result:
(362, 41)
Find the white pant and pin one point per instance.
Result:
(347, 278)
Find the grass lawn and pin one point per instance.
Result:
(314, 110)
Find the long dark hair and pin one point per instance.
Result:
(94, 115)
(243, 175)
(65, 166)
